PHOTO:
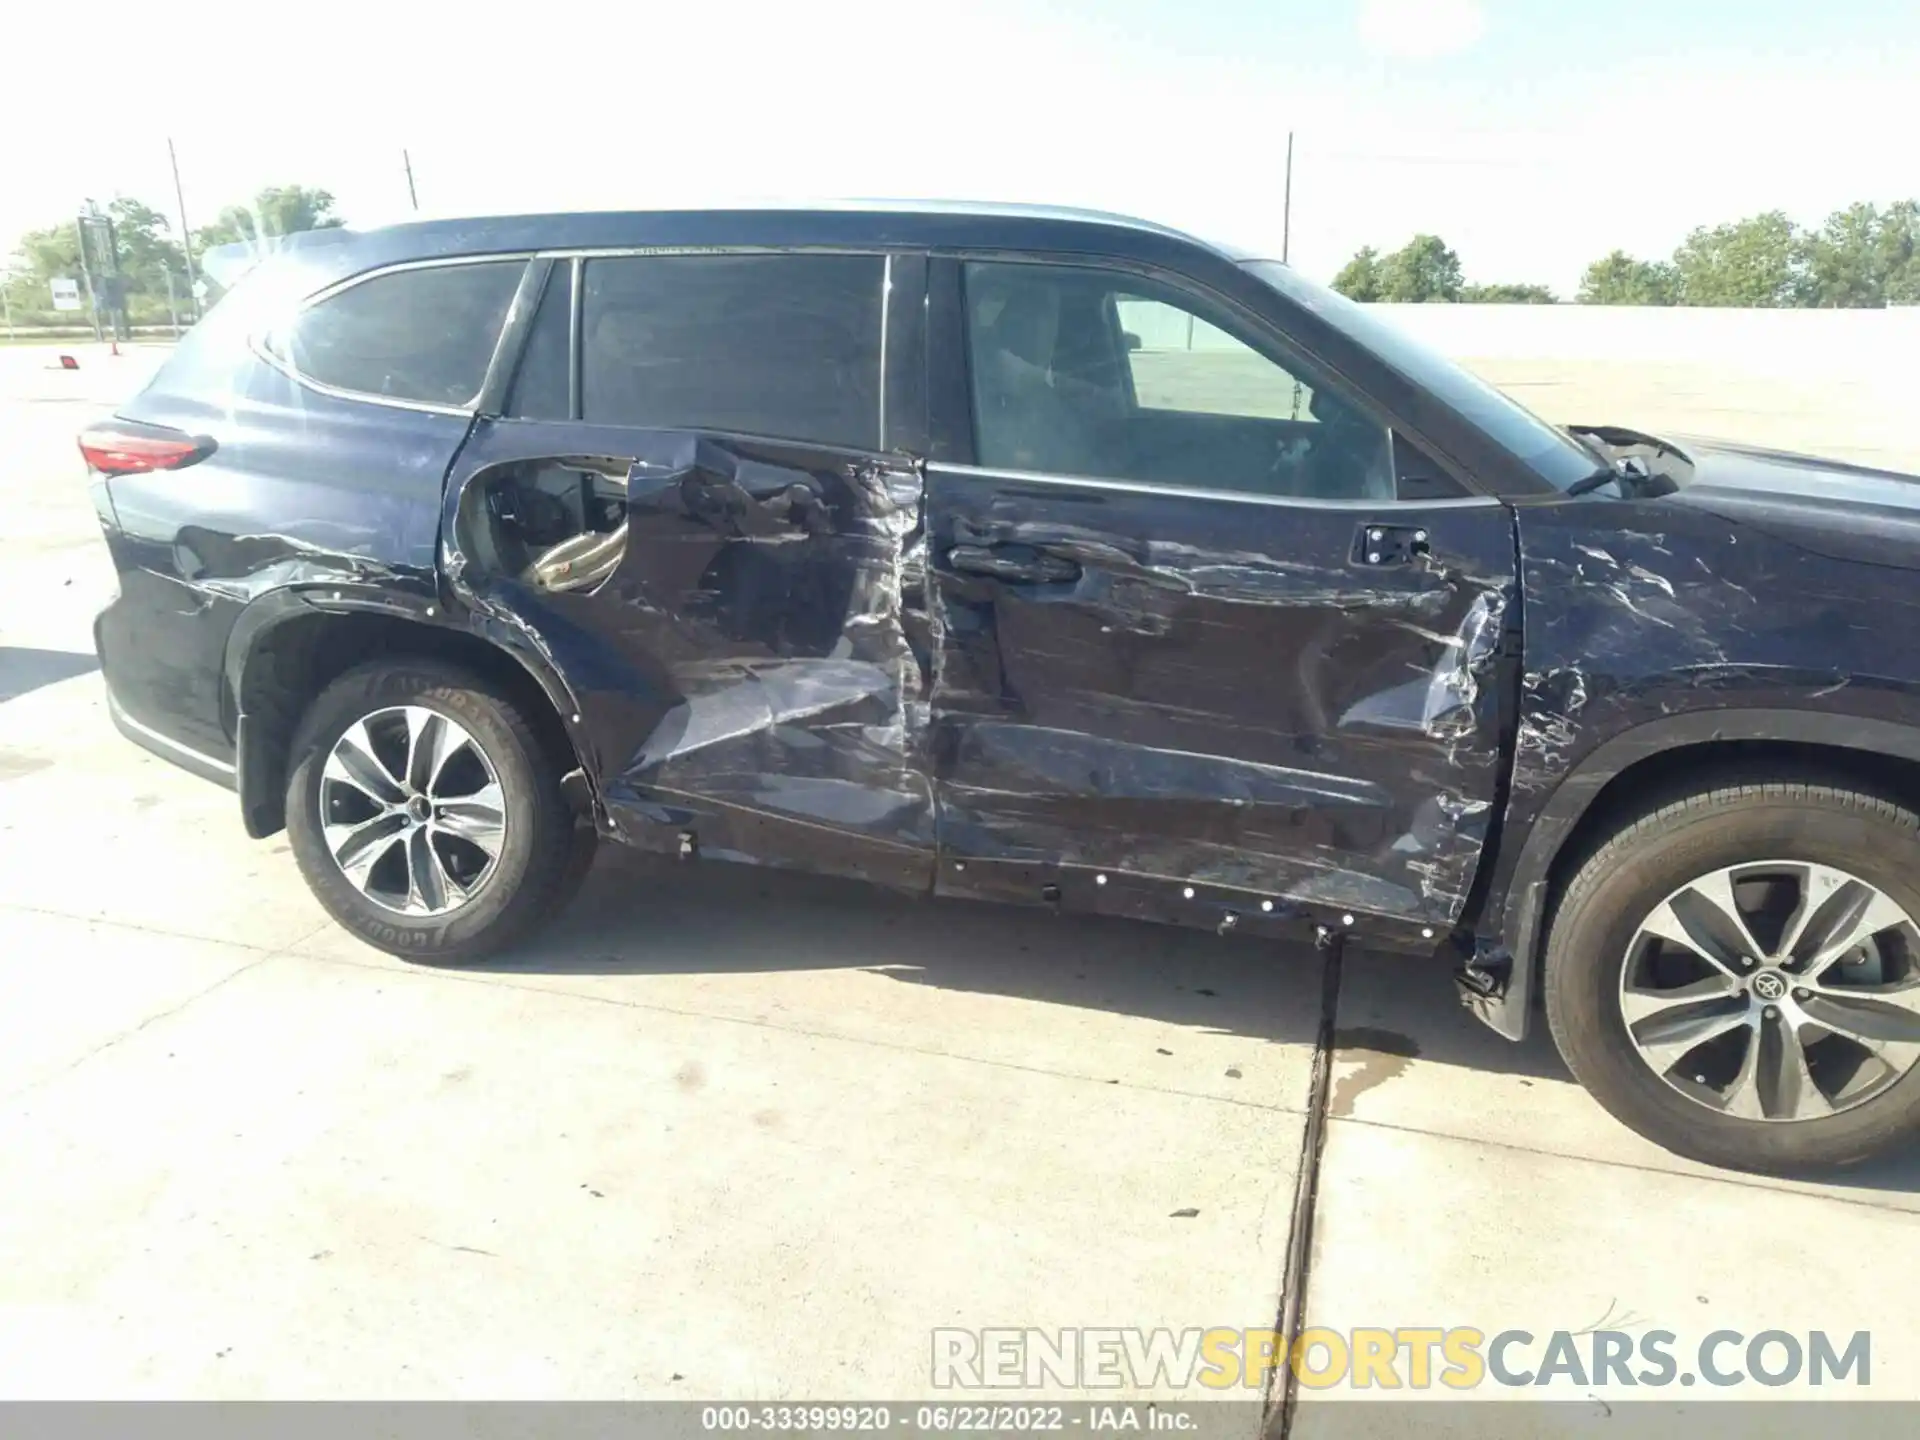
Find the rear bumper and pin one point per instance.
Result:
(207, 767)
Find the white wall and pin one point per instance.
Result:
(1813, 342)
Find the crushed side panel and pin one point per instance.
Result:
(742, 662)
(1222, 695)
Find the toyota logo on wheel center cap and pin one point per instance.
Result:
(1769, 986)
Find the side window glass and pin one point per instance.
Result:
(540, 386)
(1090, 372)
(786, 346)
(424, 335)
(1180, 362)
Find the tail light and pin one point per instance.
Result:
(130, 447)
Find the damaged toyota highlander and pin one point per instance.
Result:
(1047, 557)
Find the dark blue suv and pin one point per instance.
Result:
(1045, 557)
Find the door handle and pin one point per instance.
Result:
(1017, 564)
(1376, 545)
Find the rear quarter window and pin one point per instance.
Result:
(422, 335)
(786, 346)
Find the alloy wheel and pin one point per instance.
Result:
(1775, 991)
(412, 811)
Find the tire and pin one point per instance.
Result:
(1596, 945)
(478, 900)
(583, 848)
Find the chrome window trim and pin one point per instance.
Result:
(617, 252)
(577, 256)
(257, 340)
(1201, 492)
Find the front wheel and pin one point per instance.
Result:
(1735, 974)
(426, 814)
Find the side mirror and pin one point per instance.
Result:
(1132, 340)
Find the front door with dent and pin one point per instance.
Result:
(1189, 636)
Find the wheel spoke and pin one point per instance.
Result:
(432, 740)
(480, 818)
(1877, 1016)
(1853, 915)
(354, 762)
(1817, 886)
(429, 887)
(1743, 1096)
(1692, 922)
(1785, 1088)
(358, 848)
(1639, 1005)
(1667, 1038)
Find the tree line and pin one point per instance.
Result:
(1863, 257)
(148, 253)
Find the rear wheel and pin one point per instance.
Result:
(426, 814)
(1736, 975)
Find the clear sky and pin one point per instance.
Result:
(1534, 135)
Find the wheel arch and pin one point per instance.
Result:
(287, 646)
(1675, 752)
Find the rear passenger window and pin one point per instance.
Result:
(780, 345)
(424, 335)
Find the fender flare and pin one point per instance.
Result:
(253, 775)
(1521, 916)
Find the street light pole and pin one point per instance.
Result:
(186, 235)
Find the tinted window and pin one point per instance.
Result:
(412, 335)
(540, 390)
(780, 345)
(1094, 372)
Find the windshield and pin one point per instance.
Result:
(1553, 454)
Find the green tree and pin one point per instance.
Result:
(145, 252)
(1507, 295)
(1862, 256)
(1421, 271)
(276, 210)
(1900, 244)
(145, 240)
(1619, 279)
(1757, 261)
(1359, 278)
(1843, 261)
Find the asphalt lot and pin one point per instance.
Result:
(734, 1134)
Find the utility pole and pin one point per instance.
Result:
(86, 273)
(1286, 213)
(407, 160)
(186, 235)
